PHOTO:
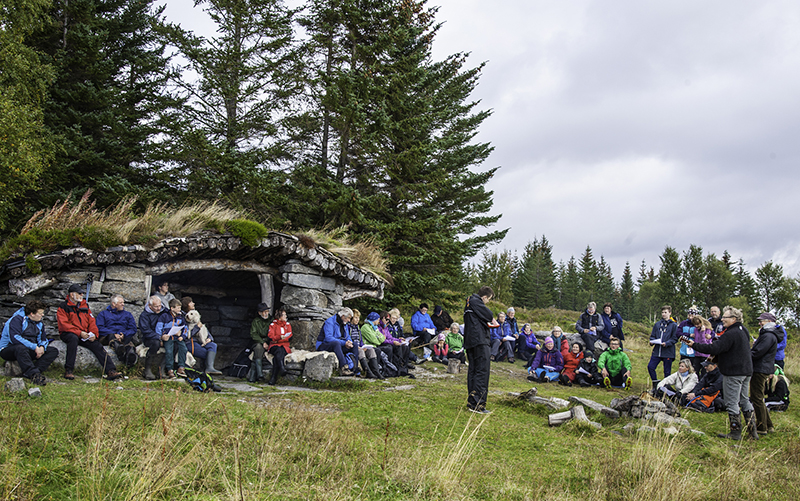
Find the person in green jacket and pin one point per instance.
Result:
(372, 336)
(615, 366)
(259, 331)
(455, 343)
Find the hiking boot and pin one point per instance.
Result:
(69, 375)
(112, 375)
(491, 358)
(180, 372)
(148, 369)
(39, 379)
(345, 372)
(750, 422)
(170, 375)
(543, 377)
(628, 383)
(735, 432)
(131, 358)
(607, 382)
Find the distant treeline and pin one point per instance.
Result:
(533, 280)
(331, 114)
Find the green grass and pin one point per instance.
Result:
(359, 441)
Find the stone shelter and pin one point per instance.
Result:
(225, 278)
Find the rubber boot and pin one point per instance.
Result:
(148, 371)
(750, 422)
(655, 386)
(373, 365)
(210, 356)
(366, 370)
(256, 372)
(735, 426)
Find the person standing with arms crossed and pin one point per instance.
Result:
(477, 320)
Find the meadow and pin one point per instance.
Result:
(369, 440)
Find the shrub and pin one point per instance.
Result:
(250, 232)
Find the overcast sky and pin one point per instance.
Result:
(630, 125)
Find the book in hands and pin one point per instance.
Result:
(408, 340)
(509, 338)
(549, 368)
(175, 331)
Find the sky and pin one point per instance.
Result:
(629, 126)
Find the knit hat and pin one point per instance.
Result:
(441, 336)
(437, 309)
(588, 354)
(548, 339)
(373, 317)
(694, 309)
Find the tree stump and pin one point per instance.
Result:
(453, 366)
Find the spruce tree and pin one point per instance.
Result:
(627, 295)
(693, 283)
(605, 286)
(719, 282)
(496, 270)
(570, 287)
(535, 282)
(669, 281)
(589, 277)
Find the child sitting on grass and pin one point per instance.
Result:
(547, 364)
(587, 373)
(615, 366)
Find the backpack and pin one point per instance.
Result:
(704, 403)
(241, 366)
(200, 381)
(5, 338)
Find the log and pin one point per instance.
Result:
(606, 411)
(559, 418)
(211, 264)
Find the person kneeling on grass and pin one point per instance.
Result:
(615, 366)
(678, 384)
(547, 364)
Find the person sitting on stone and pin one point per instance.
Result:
(174, 332)
(589, 326)
(615, 366)
(367, 356)
(777, 390)
(395, 326)
(280, 333)
(162, 292)
(76, 325)
(530, 344)
(612, 325)
(587, 373)
(441, 319)
(117, 328)
(677, 385)
(25, 340)
(455, 343)
(259, 333)
(561, 341)
(200, 342)
(706, 396)
(151, 339)
(572, 360)
(547, 364)
(401, 352)
(422, 327)
(333, 337)
(502, 342)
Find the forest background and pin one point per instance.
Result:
(331, 114)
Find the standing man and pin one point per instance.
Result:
(477, 320)
(76, 324)
(117, 328)
(27, 343)
(663, 339)
(763, 353)
(732, 352)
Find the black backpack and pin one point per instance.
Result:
(200, 381)
(241, 366)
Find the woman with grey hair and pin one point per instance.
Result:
(732, 353)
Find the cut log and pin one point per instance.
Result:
(606, 411)
(211, 264)
(559, 418)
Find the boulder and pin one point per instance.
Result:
(301, 296)
(24, 286)
(304, 333)
(309, 281)
(84, 359)
(15, 384)
(12, 369)
(453, 366)
(321, 366)
(130, 291)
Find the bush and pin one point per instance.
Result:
(250, 232)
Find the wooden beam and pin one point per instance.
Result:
(211, 264)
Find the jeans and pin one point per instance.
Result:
(169, 347)
(551, 375)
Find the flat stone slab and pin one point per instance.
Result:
(401, 387)
(237, 386)
(606, 411)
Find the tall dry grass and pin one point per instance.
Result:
(365, 251)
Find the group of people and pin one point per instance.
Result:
(165, 322)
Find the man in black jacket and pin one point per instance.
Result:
(477, 319)
(709, 386)
(763, 353)
(732, 351)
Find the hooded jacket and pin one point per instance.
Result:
(333, 331)
(147, 324)
(710, 383)
(612, 326)
(682, 384)
(552, 358)
(732, 351)
(476, 322)
(765, 347)
(75, 318)
(614, 361)
(112, 321)
(22, 330)
(280, 332)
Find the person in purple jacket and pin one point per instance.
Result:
(547, 364)
(400, 350)
(529, 346)
(502, 348)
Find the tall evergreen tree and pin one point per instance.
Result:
(589, 277)
(108, 97)
(669, 281)
(535, 282)
(719, 281)
(24, 80)
(496, 270)
(570, 286)
(645, 274)
(693, 283)
(626, 303)
(770, 287)
(605, 285)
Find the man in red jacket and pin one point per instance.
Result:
(76, 324)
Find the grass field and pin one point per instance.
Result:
(360, 439)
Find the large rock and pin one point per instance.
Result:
(79, 276)
(334, 300)
(304, 333)
(320, 367)
(309, 281)
(11, 369)
(129, 290)
(24, 286)
(301, 296)
(15, 384)
(85, 359)
(132, 273)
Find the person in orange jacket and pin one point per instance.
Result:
(280, 332)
